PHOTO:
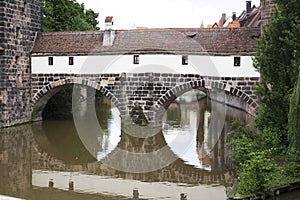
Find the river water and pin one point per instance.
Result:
(197, 163)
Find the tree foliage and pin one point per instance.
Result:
(67, 15)
(294, 116)
(263, 159)
(64, 15)
(137, 115)
(275, 58)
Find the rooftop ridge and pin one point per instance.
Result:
(70, 33)
(147, 29)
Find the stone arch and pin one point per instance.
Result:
(248, 104)
(41, 97)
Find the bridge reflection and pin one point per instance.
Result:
(176, 171)
(28, 149)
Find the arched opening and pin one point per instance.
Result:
(79, 123)
(217, 91)
(195, 127)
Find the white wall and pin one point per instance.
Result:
(204, 65)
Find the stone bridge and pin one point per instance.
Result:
(50, 60)
(151, 90)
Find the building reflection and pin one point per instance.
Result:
(15, 161)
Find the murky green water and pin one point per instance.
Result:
(193, 134)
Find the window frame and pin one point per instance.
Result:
(18, 32)
(136, 59)
(184, 60)
(71, 60)
(237, 61)
(50, 61)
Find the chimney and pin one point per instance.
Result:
(248, 7)
(222, 20)
(109, 32)
(233, 16)
(202, 25)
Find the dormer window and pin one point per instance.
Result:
(136, 59)
(50, 60)
(237, 61)
(71, 60)
(185, 60)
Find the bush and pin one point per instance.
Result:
(256, 174)
(262, 160)
(241, 142)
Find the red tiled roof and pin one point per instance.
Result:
(179, 41)
(67, 42)
(1, 49)
(231, 41)
(253, 19)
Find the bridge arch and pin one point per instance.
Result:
(42, 96)
(234, 96)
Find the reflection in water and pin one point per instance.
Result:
(59, 139)
(111, 137)
(15, 161)
(198, 142)
(31, 155)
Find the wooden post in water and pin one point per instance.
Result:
(183, 196)
(51, 183)
(71, 185)
(135, 194)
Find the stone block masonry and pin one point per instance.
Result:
(19, 23)
(267, 7)
(149, 90)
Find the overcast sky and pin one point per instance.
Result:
(164, 13)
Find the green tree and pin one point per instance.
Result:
(263, 160)
(294, 112)
(137, 115)
(256, 174)
(67, 15)
(274, 60)
(294, 117)
(64, 15)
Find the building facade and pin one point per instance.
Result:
(25, 54)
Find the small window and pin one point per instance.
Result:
(18, 60)
(25, 8)
(71, 60)
(136, 59)
(50, 60)
(185, 60)
(237, 61)
(18, 32)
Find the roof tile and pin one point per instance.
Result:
(180, 41)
